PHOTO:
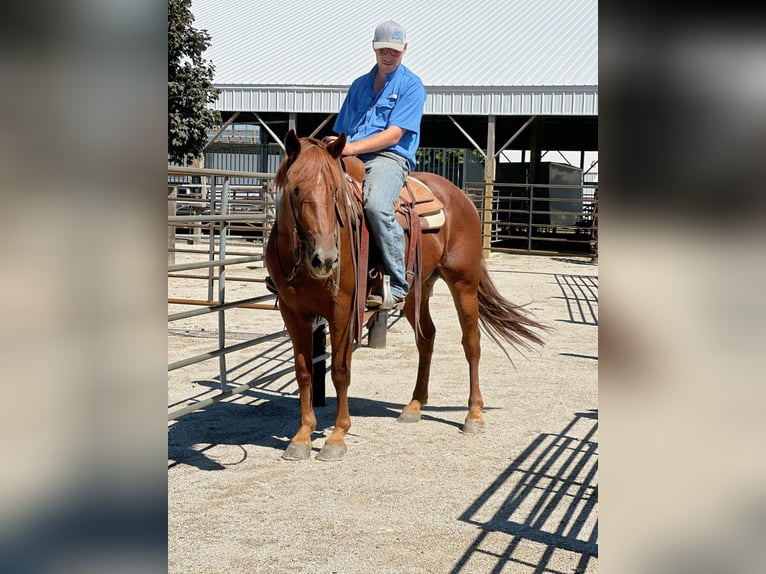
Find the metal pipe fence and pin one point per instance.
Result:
(219, 207)
(211, 207)
(540, 218)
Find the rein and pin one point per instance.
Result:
(297, 245)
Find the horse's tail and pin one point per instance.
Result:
(501, 319)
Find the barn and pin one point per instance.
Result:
(514, 82)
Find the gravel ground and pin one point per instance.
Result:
(407, 498)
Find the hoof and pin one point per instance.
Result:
(332, 452)
(409, 417)
(474, 426)
(297, 451)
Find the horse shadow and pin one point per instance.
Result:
(543, 504)
(265, 416)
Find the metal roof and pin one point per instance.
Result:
(514, 57)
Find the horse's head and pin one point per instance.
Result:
(311, 180)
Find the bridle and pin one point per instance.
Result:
(300, 237)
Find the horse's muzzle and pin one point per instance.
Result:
(323, 261)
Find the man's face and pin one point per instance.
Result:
(388, 59)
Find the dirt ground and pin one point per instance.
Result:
(408, 498)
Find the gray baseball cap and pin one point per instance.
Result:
(389, 34)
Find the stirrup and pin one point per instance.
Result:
(374, 301)
(382, 301)
(387, 300)
(388, 297)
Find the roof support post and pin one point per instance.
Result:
(271, 132)
(514, 136)
(535, 151)
(320, 126)
(292, 122)
(489, 188)
(469, 138)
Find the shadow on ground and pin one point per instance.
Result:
(267, 418)
(542, 505)
(268, 414)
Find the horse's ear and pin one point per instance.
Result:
(292, 145)
(336, 147)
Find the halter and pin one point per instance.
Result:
(299, 237)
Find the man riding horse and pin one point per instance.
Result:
(381, 119)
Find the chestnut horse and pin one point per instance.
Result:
(310, 258)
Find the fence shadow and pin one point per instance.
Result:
(540, 513)
(266, 414)
(581, 295)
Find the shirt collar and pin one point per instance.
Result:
(374, 72)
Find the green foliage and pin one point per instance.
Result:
(190, 85)
(430, 157)
(477, 156)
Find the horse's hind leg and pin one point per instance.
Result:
(464, 291)
(424, 338)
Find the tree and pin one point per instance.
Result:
(190, 85)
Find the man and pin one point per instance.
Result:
(381, 119)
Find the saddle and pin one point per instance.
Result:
(429, 209)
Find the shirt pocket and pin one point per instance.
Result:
(383, 109)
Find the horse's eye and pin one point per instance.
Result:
(296, 191)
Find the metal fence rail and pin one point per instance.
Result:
(540, 218)
(196, 197)
(213, 206)
(512, 228)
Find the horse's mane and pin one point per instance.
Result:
(312, 162)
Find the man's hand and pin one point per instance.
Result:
(327, 140)
(376, 142)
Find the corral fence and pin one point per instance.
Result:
(544, 219)
(224, 225)
(556, 215)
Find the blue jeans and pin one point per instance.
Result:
(384, 176)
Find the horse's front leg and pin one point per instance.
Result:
(301, 335)
(335, 446)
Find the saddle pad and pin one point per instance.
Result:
(432, 220)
